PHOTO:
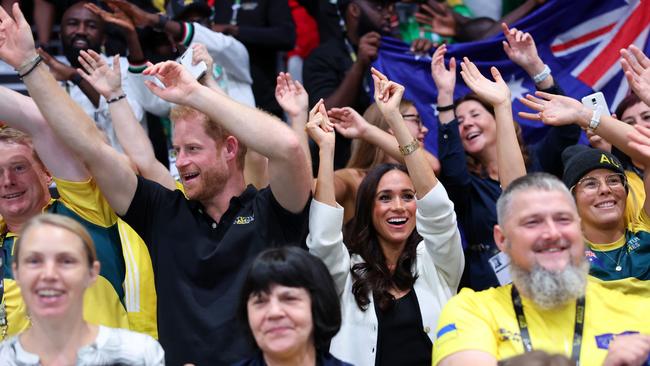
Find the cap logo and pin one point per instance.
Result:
(605, 159)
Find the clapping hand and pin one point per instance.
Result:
(348, 122)
(319, 127)
(291, 95)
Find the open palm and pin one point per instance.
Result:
(104, 79)
(494, 92)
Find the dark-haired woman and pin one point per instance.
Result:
(391, 283)
(467, 150)
(290, 309)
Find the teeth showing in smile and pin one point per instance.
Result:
(397, 220)
(49, 293)
(472, 135)
(13, 195)
(190, 176)
(607, 204)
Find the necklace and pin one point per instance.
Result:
(618, 267)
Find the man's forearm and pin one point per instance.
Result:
(136, 55)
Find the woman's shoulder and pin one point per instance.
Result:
(123, 344)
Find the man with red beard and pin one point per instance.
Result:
(550, 305)
(200, 245)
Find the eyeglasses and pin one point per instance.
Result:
(413, 118)
(592, 184)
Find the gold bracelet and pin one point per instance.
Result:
(409, 148)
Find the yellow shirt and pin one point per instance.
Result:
(485, 321)
(103, 303)
(635, 197)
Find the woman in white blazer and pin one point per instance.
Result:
(392, 282)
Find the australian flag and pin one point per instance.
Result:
(579, 40)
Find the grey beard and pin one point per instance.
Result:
(550, 289)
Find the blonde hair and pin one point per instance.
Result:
(365, 155)
(211, 128)
(10, 135)
(62, 222)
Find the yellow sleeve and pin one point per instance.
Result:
(642, 222)
(464, 324)
(85, 199)
(635, 198)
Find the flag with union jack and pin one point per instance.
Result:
(580, 41)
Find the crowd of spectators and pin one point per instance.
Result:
(194, 182)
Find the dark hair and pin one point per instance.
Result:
(295, 267)
(537, 358)
(629, 101)
(473, 164)
(373, 275)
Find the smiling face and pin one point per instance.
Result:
(81, 29)
(600, 197)
(542, 227)
(23, 183)
(201, 162)
(53, 272)
(414, 124)
(637, 113)
(281, 320)
(393, 214)
(476, 125)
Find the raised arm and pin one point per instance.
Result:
(510, 161)
(321, 130)
(133, 138)
(114, 177)
(20, 112)
(290, 178)
(637, 71)
(294, 100)
(520, 48)
(388, 95)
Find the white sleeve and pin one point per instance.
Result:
(436, 222)
(138, 93)
(226, 51)
(325, 240)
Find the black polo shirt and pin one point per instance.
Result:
(200, 265)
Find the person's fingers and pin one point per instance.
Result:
(530, 104)
(452, 65)
(496, 74)
(46, 56)
(314, 109)
(427, 9)
(530, 116)
(645, 131)
(640, 56)
(86, 66)
(423, 19)
(505, 29)
(506, 48)
(534, 99)
(545, 95)
(632, 61)
(473, 69)
(117, 67)
(18, 14)
(4, 17)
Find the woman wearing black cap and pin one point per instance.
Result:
(618, 250)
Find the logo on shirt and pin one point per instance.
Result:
(603, 340)
(446, 329)
(633, 243)
(244, 220)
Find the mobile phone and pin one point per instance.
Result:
(197, 70)
(592, 101)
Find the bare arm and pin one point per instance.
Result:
(137, 146)
(115, 178)
(321, 131)
(520, 48)
(293, 99)
(388, 95)
(510, 161)
(20, 112)
(290, 178)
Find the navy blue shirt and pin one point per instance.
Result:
(475, 196)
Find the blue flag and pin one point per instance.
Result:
(579, 40)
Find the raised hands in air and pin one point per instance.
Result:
(637, 71)
(444, 78)
(494, 92)
(291, 95)
(16, 40)
(105, 79)
(554, 110)
(117, 17)
(179, 83)
(349, 122)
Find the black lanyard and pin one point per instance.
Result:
(523, 325)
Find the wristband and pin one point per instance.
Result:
(32, 65)
(542, 75)
(409, 148)
(595, 119)
(113, 100)
(445, 108)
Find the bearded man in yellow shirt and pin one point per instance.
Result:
(551, 305)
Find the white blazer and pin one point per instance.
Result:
(439, 266)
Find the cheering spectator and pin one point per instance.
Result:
(468, 155)
(196, 284)
(291, 289)
(391, 283)
(550, 305)
(54, 263)
(373, 144)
